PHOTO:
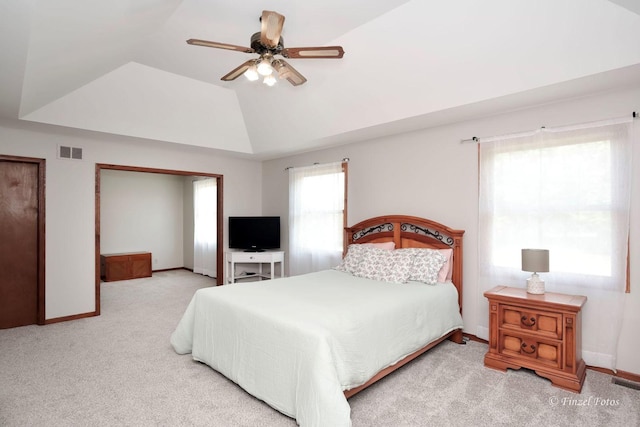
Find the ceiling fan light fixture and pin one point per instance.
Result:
(265, 68)
(269, 80)
(252, 74)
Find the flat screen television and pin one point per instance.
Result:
(254, 233)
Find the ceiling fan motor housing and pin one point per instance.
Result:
(261, 49)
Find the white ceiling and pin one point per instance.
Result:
(123, 66)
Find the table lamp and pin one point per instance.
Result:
(536, 261)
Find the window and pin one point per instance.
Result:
(317, 214)
(558, 197)
(205, 199)
(567, 190)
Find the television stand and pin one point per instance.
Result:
(241, 257)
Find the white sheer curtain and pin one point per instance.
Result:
(205, 197)
(316, 217)
(566, 190)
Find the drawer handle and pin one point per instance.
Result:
(524, 348)
(532, 321)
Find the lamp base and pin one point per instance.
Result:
(535, 285)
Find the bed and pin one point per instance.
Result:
(305, 344)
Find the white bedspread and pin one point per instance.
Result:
(298, 342)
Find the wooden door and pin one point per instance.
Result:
(21, 242)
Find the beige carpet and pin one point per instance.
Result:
(120, 370)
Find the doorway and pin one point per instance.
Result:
(22, 241)
(219, 219)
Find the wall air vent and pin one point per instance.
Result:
(76, 153)
(73, 153)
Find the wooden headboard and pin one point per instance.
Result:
(410, 232)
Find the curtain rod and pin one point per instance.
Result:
(634, 115)
(345, 159)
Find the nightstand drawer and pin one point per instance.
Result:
(257, 256)
(547, 324)
(548, 352)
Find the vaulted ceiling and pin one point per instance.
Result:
(123, 66)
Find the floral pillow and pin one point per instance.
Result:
(401, 265)
(352, 259)
(426, 264)
(356, 252)
(385, 265)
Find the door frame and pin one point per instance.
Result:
(41, 229)
(220, 216)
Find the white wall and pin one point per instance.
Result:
(142, 212)
(70, 196)
(431, 174)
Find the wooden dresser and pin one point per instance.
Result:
(124, 266)
(538, 332)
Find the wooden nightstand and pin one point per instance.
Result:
(538, 332)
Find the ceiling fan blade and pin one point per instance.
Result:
(217, 45)
(286, 71)
(238, 71)
(313, 52)
(271, 30)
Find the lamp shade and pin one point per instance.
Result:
(535, 260)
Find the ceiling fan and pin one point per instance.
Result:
(268, 43)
